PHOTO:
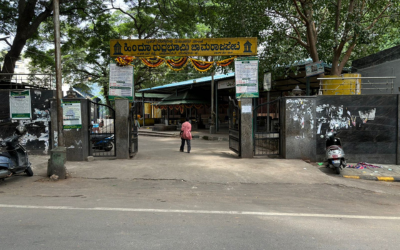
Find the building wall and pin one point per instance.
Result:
(391, 68)
(36, 140)
(381, 64)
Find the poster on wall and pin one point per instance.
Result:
(20, 105)
(121, 82)
(72, 114)
(246, 76)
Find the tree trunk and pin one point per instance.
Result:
(10, 59)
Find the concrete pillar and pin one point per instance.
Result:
(122, 128)
(246, 127)
(76, 140)
(398, 131)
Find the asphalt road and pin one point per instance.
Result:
(205, 200)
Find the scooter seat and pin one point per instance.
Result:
(333, 147)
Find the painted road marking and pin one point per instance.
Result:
(116, 209)
(381, 178)
(351, 176)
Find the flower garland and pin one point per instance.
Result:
(177, 65)
(152, 62)
(226, 62)
(124, 60)
(201, 66)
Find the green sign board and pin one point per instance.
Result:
(121, 82)
(20, 105)
(72, 117)
(246, 77)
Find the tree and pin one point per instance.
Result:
(328, 30)
(22, 19)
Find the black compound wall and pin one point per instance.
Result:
(299, 128)
(37, 138)
(367, 126)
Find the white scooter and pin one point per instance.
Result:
(334, 153)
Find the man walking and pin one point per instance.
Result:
(186, 135)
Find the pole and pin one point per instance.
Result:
(308, 86)
(143, 107)
(212, 125)
(56, 19)
(268, 120)
(216, 108)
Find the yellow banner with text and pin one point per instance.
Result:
(184, 47)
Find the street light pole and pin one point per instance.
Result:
(56, 19)
(58, 155)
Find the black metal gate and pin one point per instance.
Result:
(266, 132)
(133, 132)
(101, 130)
(234, 127)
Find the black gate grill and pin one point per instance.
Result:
(267, 129)
(234, 127)
(133, 133)
(101, 130)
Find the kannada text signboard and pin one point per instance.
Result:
(246, 77)
(121, 82)
(20, 105)
(184, 47)
(72, 117)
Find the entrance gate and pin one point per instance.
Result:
(266, 135)
(234, 127)
(101, 130)
(133, 132)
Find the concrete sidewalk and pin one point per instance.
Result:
(209, 162)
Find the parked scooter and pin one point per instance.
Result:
(15, 159)
(102, 142)
(334, 152)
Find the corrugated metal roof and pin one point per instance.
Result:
(188, 82)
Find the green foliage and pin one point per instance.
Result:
(285, 39)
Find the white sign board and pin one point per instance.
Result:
(267, 81)
(72, 117)
(315, 69)
(246, 77)
(121, 82)
(246, 109)
(20, 105)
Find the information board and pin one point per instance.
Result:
(121, 82)
(72, 117)
(246, 76)
(315, 69)
(20, 105)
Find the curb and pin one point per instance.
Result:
(373, 178)
(209, 138)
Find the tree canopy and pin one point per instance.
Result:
(333, 31)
